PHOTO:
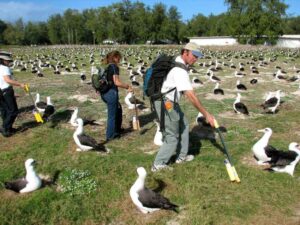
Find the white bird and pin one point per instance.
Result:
(258, 148)
(240, 86)
(129, 100)
(74, 117)
(29, 183)
(214, 78)
(158, 138)
(271, 103)
(201, 121)
(146, 200)
(240, 107)
(40, 105)
(49, 110)
(217, 90)
(285, 161)
(85, 142)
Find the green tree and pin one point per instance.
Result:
(3, 26)
(256, 19)
(55, 29)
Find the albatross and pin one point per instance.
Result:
(259, 148)
(29, 183)
(239, 107)
(85, 142)
(145, 199)
(284, 161)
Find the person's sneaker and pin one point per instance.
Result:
(187, 158)
(156, 168)
(6, 134)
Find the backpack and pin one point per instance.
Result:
(156, 74)
(100, 81)
(154, 77)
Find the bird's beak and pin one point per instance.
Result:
(262, 130)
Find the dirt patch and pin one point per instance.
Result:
(233, 115)
(83, 98)
(218, 97)
(250, 161)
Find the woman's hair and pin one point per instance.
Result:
(111, 56)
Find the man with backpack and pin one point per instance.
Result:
(176, 127)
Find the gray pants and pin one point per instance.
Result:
(176, 134)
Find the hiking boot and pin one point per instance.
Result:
(156, 168)
(187, 158)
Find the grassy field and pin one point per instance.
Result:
(98, 184)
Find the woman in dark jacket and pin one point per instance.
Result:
(111, 97)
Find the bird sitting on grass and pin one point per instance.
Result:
(29, 183)
(145, 199)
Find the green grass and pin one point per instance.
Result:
(201, 188)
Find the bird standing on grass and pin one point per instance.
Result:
(85, 142)
(239, 107)
(271, 103)
(49, 110)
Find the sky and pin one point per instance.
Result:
(39, 10)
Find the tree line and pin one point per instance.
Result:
(129, 22)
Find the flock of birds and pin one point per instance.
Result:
(215, 62)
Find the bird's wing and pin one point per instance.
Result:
(152, 199)
(16, 185)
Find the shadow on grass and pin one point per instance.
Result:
(199, 133)
(144, 120)
(24, 109)
(61, 116)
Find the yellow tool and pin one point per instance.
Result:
(233, 176)
(35, 112)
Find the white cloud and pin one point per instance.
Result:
(28, 11)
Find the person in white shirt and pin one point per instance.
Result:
(8, 103)
(176, 133)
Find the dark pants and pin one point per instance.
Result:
(114, 114)
(8, 108)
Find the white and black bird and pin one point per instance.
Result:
(49, 110)
(239, 74)
(214, 78)
(239, 107)
(82, 77)
(196, 81)
(131, 101)
(271, 103)
(85, 142)
(29, 183)
(158, 137)
(259, 148)
(240, 86)
(74, 117)
(253, 81)
(40, 105)
(134, 82)
(218, 90)
(201, 120)
(284, 161)
(146, 200)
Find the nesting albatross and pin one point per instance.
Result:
(285, 161)
(145, 199)
(29, 183)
